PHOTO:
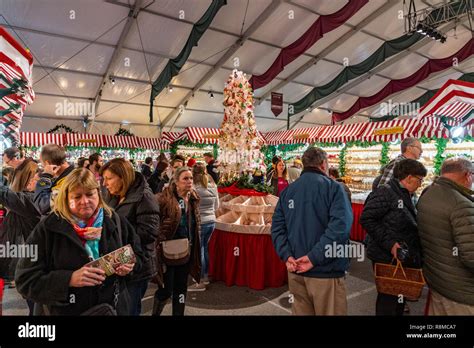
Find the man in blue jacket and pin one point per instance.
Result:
(312, 219)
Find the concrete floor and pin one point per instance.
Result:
(219, 299)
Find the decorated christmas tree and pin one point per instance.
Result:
(239, 142)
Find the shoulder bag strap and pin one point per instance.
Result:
(116, 282)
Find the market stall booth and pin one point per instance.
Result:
(360, 150)
(82, 145)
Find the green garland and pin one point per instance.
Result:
(61, 126)
(124, 132)
(342, 161)
(133, 152)
(244, 182)
(425, 140)
(289, 147)
(187, 142)
(384, 158)
(439, 158)
(323, 145)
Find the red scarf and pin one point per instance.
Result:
(82, 230)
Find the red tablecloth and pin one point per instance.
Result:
(357, 232)
(245, 260)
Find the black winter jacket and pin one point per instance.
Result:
(60, 253)
(157, 182)
(22, 216)
(389, 216)
(141, 210)
(212, 171)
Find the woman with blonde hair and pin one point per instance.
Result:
(131, 197)
(179, 221)
(209, 203)
(81, 228)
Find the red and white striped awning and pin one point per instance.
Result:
(304, 135)
(431, 127)
(121, 141)
(171, 137)
(203, 135)
(261, 137)
(454, 100)
(153, 144)
(390, 130)
(31, 139)
(470, 130)
(85, 140)
(341, 132)
(278, 137)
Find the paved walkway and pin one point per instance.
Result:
(219, 299)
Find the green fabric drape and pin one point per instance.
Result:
(174, 65)
(6, 91)
(11, 108)
(388, 49)
(423, 99)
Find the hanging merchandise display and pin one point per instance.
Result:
(16, 92)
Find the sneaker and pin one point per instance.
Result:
(197, 287)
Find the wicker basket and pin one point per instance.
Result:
(396, 280)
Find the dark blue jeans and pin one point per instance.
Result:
(206, 232)
(137, 291)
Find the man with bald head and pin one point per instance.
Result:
(446, 228)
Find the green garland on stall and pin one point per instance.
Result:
(268, 151)
(425, 140)
(187, 142)
(439, 158)
(384, 158)
(342, 160)
(323, 145)
(124, 132)
(289, 147)
(244, 182)
(93, 149)
(61, 126)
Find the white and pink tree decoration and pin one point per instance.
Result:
(239, 141)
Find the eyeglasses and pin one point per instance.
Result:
(420, 179)
(418, 147)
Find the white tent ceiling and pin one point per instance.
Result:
(72, 57)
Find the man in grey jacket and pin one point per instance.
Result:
(446, 228)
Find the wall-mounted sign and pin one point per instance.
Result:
(390, 130)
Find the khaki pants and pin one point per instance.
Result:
(317, 296)
(440, 305)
